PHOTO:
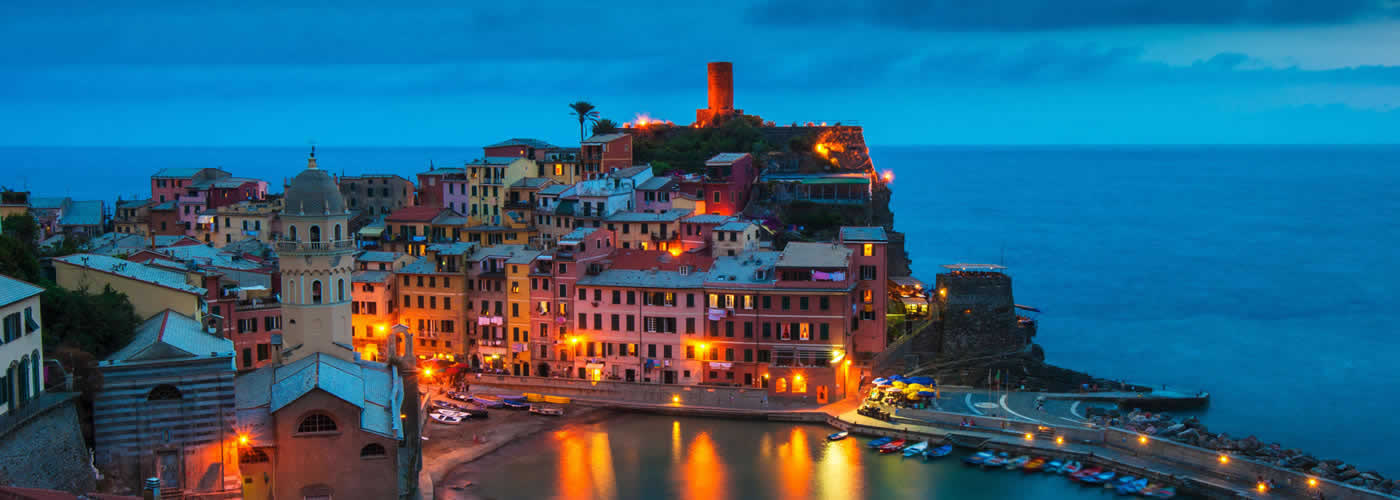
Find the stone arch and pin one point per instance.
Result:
(373, 450)
(23, 382)
(164, 392)
(315, 291)
(38, 373)
(292, 232)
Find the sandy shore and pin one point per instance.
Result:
(450, 448)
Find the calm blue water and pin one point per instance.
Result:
(636, 456)
(1266, 275)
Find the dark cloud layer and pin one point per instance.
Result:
(1039, 15)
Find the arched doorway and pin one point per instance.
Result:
(542, 370)
(315, 233)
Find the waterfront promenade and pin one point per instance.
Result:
(1191, 469)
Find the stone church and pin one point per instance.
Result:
(319, 422)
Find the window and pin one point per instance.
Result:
(787, 303)
(264, 351)
(446, 304)
(748, 302)
(316, 422)
(748, 355)
(825, 303)
(867, 296)
(631, 297)
(690, 300)
(690, 352)
(690, 325)
(867, 273)
(825, 332)
(802, 303)
(164, 392)
(316, 292)
(804, 331)
(767, 330)
(714, 300)
(867, 250)
(767, 302)
(748, 329)
(729, 301)
(616, 296)
(373, 450)
(728, 328)
(729, 354)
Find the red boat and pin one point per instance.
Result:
(1083, 473)
(893, 446)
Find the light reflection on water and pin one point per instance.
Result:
(636, 456)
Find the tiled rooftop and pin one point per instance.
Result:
(377, 256)
(177, 331)
(671, 215)
(863, 233)
(603, 138)
(654, 183)
(522, 141)
(644, 279)
(814, 255)
(725, 158)
(371, 276)
(132, 270)
(13, 290)
(708, 219)
(740, 269)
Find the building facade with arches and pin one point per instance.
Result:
(21, 346)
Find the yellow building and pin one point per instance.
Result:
(488, 187)
(151, 289)
(13, 203)
(133, 217)
(561, 165)
(260, 220)
(518, 311)
(735, 237)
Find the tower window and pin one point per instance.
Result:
(316, 422)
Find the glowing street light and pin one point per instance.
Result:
(1142, 439)
(1029, 436)
(1059, 440)
(676, 399)
(1312, 482)
(1224, 459)
(427, 372)
(242, 439)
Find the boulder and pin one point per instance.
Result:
(1349, 474)
(1372, 476)
(1250, 443)
(1356, 481)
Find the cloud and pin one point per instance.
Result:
(1042, 15)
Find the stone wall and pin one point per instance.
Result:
(729, 397)
(46, 450)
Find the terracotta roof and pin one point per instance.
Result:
(415, 214)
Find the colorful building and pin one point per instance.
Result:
(602, 153)
(21, 347)
(376, 195)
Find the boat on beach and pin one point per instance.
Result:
(547, 410)
(446, 419)
(487, 401)
(837, 436)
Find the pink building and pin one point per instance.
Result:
(695, 230)
(605, 152)
(654, 195)
(869, 247)
(197, 190)
(519, 147)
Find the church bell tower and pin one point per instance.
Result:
(317, 256)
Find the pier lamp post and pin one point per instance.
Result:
(1142, 439)
(1029, 436)
(1059, 440)
(1224, 459)
(1312, 482)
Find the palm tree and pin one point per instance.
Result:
(585, 112)
(604, 126)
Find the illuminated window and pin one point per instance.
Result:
(728, 301)
(868, 296)
(515, 287)
(799, 385)
(748, 302)
(714, 300)
(804, 332)
(781, 385)
(868, 250)
(558, 169)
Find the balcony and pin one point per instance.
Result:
(314, 247)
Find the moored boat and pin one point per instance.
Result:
(940, 451)
(1053, 467)
(1166, 492)
(996, 461)
(1085, 472)
(1119, 481)
(893, 446)
(1133, 487)
(1035, 464)
(837, 436)
(916, 448)
(1017, 462)
(1071, 468)
(878, 442)
(978, 458)
(1099, 478)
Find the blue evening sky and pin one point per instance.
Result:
(358, 73)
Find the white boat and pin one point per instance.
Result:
(453, 413)
(553, 411)
(446, 419)
(915, 449)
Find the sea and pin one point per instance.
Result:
(1266, 275)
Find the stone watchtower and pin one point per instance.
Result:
(316, 255)
(976, 312)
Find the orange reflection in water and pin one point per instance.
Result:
(574, 475)
(586, 465)
(795, 466)
(836, 469)
(703, 471)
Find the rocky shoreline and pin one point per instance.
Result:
(1191, 431)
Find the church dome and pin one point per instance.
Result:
(313, 192)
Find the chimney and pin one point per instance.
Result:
(151, 489)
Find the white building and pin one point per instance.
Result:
(21, 345)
